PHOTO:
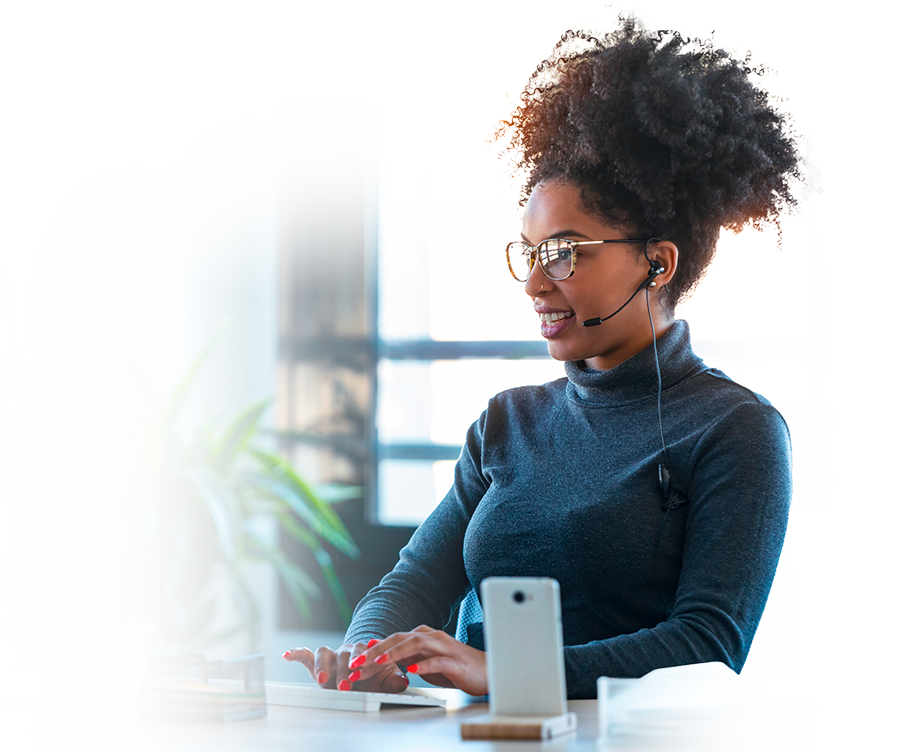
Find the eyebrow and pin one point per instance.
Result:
(561, 234)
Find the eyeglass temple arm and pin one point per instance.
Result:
(576, 243)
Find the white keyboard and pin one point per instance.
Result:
(314, 696)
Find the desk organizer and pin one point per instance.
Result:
(192, 688)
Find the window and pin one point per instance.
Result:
(453, 326)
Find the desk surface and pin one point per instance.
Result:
(425, 729)
(395, 729)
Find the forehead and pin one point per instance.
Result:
(554, 209)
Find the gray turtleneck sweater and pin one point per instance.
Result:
(561, 481)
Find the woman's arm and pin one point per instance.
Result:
(430, 579)
(414, 602)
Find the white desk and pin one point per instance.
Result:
(396, 729)
(665, 713)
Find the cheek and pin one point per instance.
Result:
(587, 300)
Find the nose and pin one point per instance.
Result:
(537, 282)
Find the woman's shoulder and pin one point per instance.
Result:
(731, 404)
(525, 405)
(527, 396)
(722, 388)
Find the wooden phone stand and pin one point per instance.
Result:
(518, 726)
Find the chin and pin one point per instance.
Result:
(563, 354)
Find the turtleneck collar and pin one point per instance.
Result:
(635, 378)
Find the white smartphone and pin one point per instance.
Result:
(524, 644)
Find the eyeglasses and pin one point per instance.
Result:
(556, 256)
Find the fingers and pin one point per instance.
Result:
(385, 679)
(301, 655)
(437, 670)
(322, 665)
(374, 666)
(357, 662)
(342, 668)
(432, 654)
(326, 667)
(367, 673)
(404, 648)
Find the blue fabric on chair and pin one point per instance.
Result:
(470, 615)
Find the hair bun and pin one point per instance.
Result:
(664, 134)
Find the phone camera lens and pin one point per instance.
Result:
(518, 596)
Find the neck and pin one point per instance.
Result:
(662, 322)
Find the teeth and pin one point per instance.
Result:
(551, 318)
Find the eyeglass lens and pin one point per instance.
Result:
(555, 258)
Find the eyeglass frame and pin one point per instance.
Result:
(574, 245)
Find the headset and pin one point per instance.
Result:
(672, 498)
(655, 269)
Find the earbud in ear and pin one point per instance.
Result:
(655, 269)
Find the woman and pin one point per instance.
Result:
(652, 487)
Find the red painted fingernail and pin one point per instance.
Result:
(354, 676)
(344, 686)
(358, 661)
(406, 679)
(372, 642)
(413, 668)
(286, 653)
(321, 677)
(383, 658)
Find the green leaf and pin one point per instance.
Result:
(269, 487)
(281, 469)
(238, 435)
(306, 509)
(172, 407)
(220, 504)
(294, 530)
(297, 582)
(325, 564)
(334, 584)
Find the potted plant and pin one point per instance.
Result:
(199, 508)
(104, 656)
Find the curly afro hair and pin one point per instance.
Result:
(664, 136)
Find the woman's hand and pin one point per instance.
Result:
(338, 669)
(432, 654)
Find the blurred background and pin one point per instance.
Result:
(252, 293)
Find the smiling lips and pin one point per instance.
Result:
(552, 318)
(553, 322)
